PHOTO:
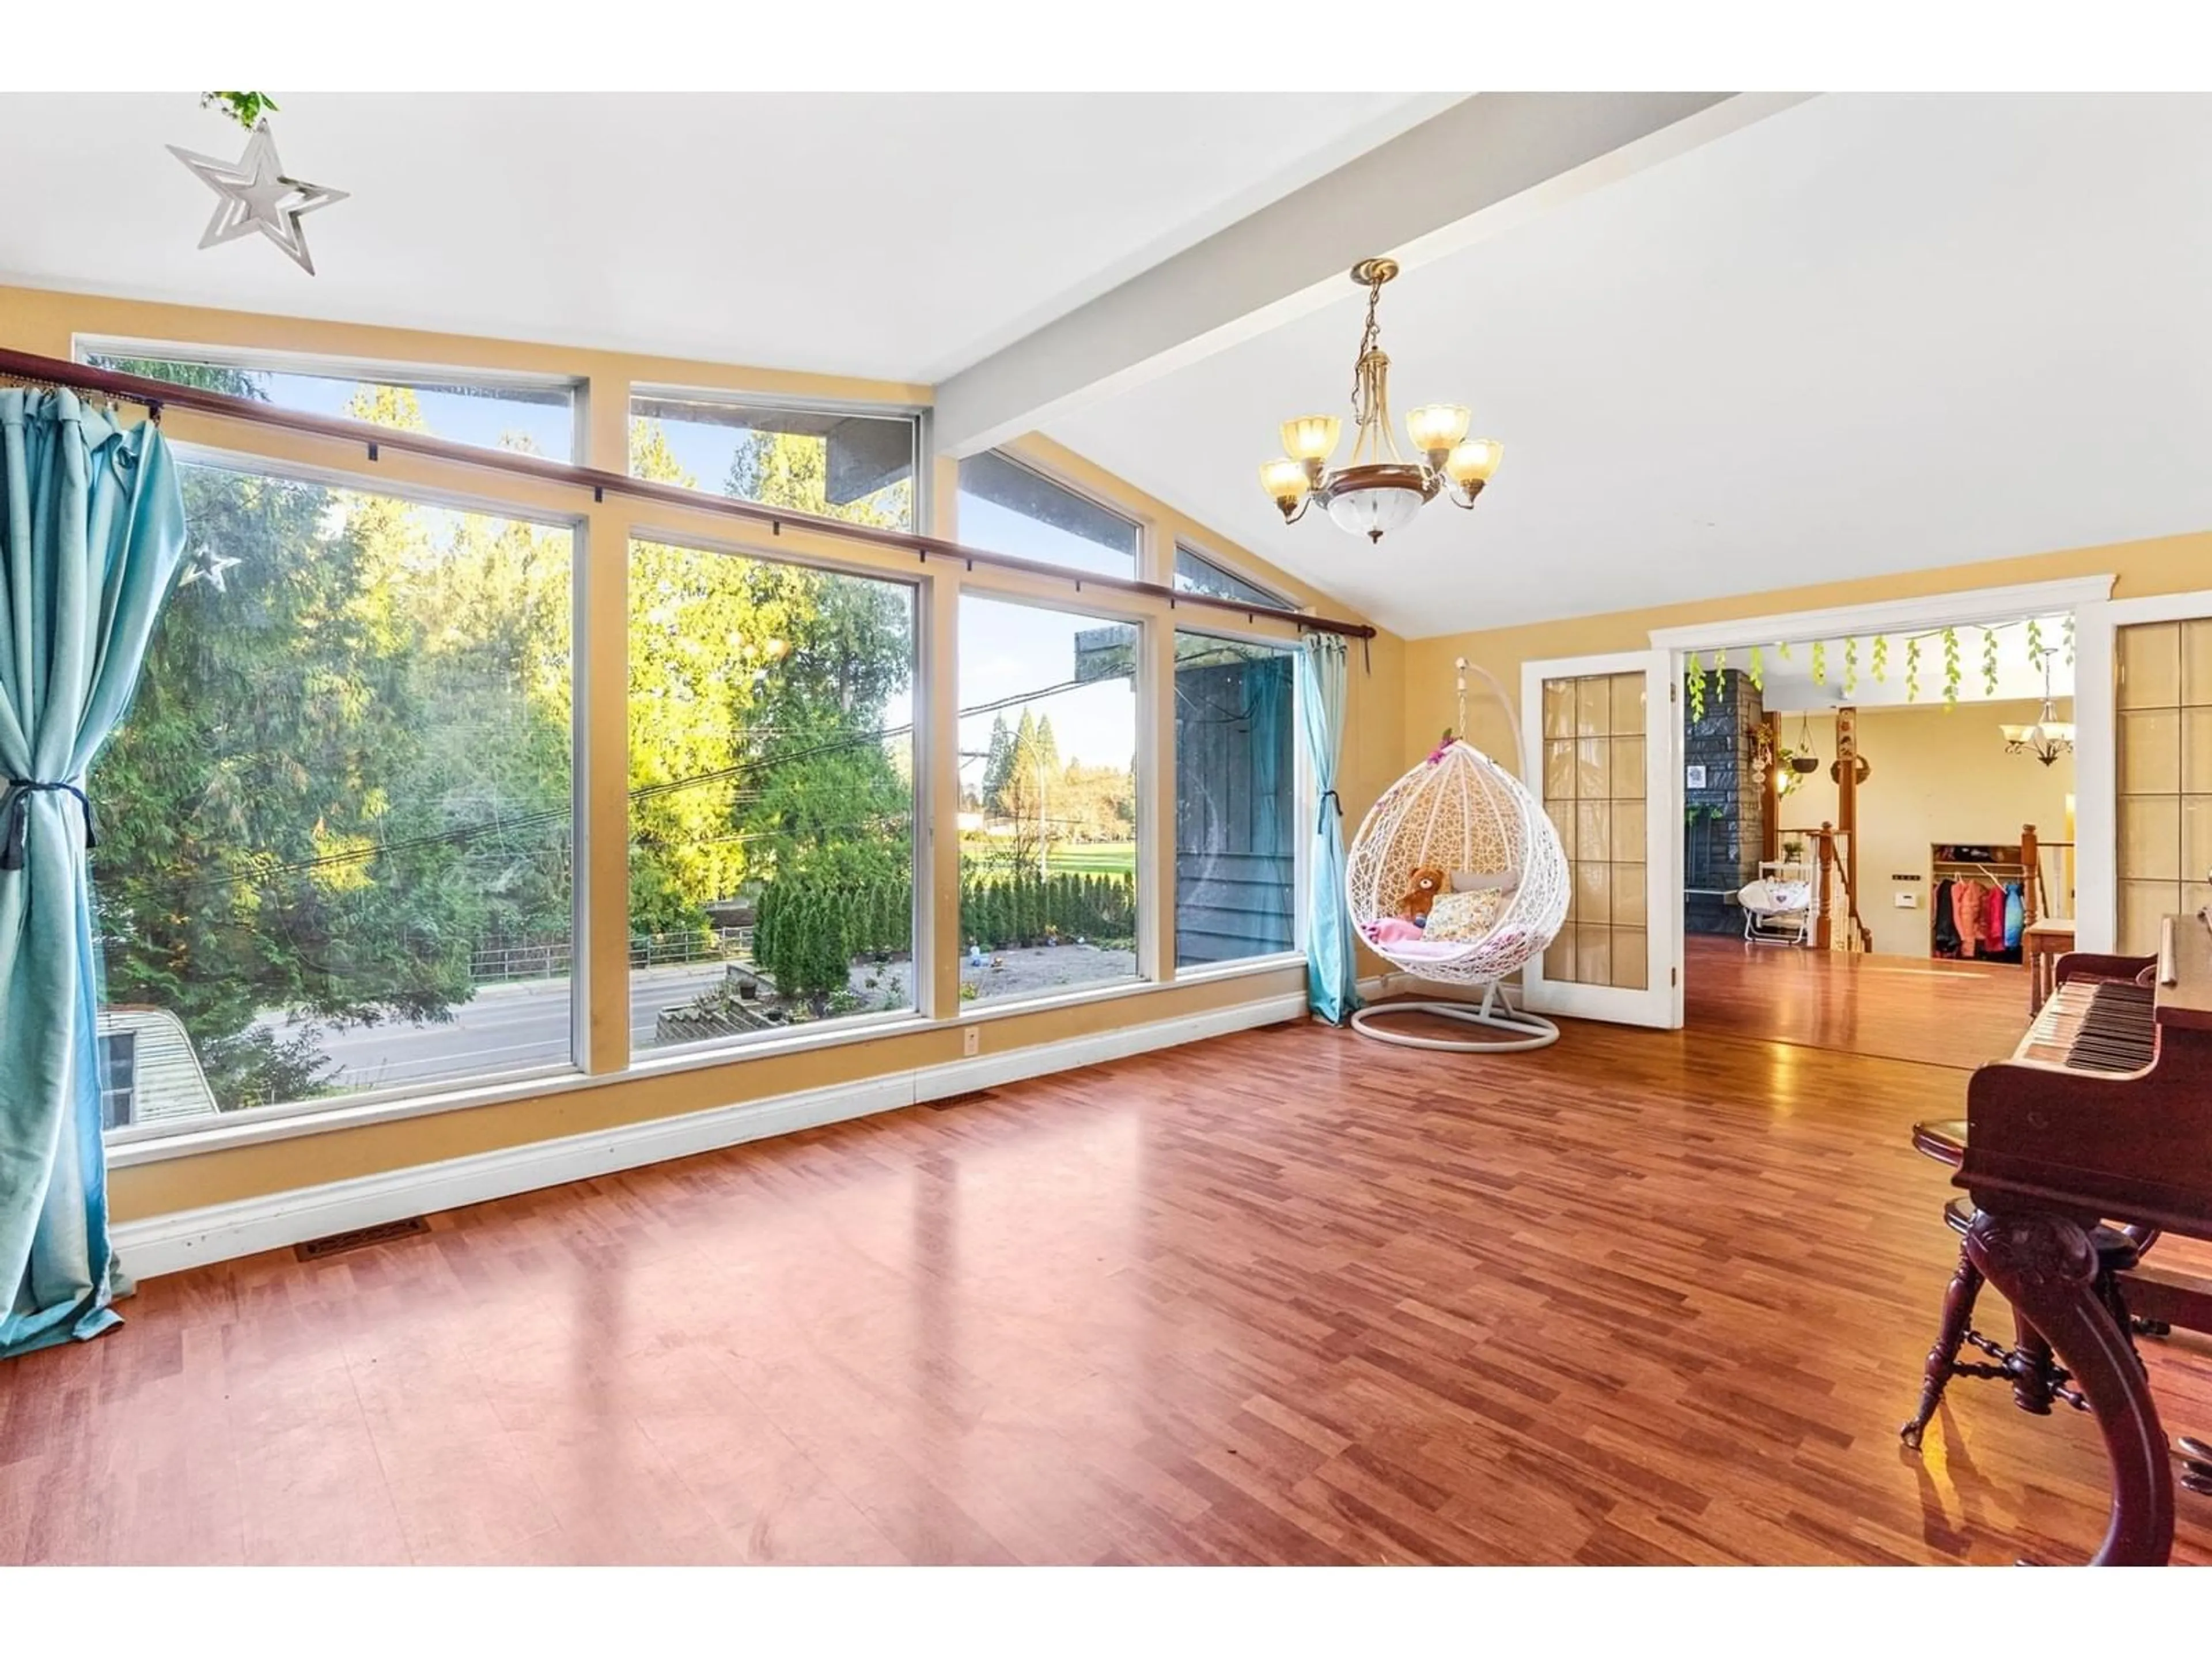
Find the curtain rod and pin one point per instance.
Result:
(156, 395)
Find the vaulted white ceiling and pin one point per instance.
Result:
(1729, 346)
(894, 235)
(1862, 335)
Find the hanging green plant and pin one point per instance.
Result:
(1851, 665)
(1820, 662)
(1989, 662)
(1694, 687)
(2034, 642)
(1950, 665)
(247, 108)
(2069, 639)
(1911, 670)
(1881, 656)
(1784, 649)
(1757, 672)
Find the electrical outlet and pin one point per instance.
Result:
(971, 1041)
(1906, 900)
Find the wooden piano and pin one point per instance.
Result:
(2103, 1115)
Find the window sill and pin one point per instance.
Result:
(254, 1128)
(1213, 970)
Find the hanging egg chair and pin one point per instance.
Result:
(1457, 877)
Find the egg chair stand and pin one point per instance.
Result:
(1521, 1030)
(1460, 832)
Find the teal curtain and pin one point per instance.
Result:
(92, 526)
(1332, 975)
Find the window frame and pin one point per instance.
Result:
(1142, 528)
(1152, 973)
(883, 1021)
(1182, 545)
(245, 462)
(600, 530)
(916, 416)
(376, 371)
(127, 1041)
(1304, 802)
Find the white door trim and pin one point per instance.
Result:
(1660, 1004)
(1966, 605)
(2089, 599)
(2096, 752)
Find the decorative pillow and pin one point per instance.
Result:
(1484, 881)
(1467, 915)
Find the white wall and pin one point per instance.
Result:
(1939, 774)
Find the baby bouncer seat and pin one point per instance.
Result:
(1457, 877)
(1782, 906)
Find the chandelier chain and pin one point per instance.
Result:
(1370, 338)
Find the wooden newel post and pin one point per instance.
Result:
(1824, 934)
(2032, 874)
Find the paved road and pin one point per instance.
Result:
(506, 1027)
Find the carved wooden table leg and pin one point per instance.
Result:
(2042, 1264)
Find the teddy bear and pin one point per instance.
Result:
(1428, 882)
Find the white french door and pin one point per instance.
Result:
(2143, 760)
(1599, 739)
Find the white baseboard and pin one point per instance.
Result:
(191, 1238)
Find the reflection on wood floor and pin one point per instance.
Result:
(1289, 1296)
(1940, 1012)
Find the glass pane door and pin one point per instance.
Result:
(1599, 746)
(2164, 748)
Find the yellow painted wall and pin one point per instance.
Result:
(48, 323)
(1938, 773)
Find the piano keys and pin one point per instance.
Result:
(2103, 1113)
(2095, 1025)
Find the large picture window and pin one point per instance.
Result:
(339, 858)
(1236, 793)
(1007, 508)
(1048, 800)
(837, 465)
(529, 414)
(771, 765)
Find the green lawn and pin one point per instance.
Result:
(1088, 858)
(1094, 858)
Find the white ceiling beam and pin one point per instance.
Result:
(1494, 160)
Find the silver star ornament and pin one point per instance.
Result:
(255, 195)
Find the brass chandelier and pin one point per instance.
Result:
(2049, 737)
(1378, 489)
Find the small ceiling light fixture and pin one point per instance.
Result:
(2049, 737)
(1378, 489)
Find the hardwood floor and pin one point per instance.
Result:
(1940, 1013)
(1285, 1297)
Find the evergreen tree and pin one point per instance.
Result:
(998, 762)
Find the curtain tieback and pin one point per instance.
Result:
(16, 837)
(1329, 798)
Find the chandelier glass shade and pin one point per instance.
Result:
(1377, 490)
(2048, 736)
